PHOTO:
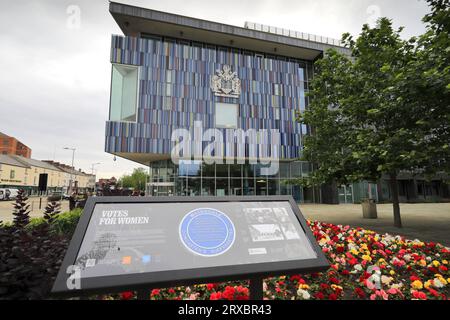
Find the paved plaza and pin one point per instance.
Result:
(426, 222)
(6, 208)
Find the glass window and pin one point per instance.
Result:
(284, 170)
(12, 174)
(208, 170)
(189, 168)
(222, 170)
(124, 91)
(208, 187)
(226, 115)
(261, 186)
(236, 187)
(249, 187)
(222, 187)
(296, 169)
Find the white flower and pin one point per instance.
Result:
(358, 267)
(304, 294)
(407, 257)
(386, 280)
(437, 283)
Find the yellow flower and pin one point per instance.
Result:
(392, 272)
(367, 258)
(354, 252)
(364, 246)
(422, 263)
(427, 284)
(417, 285)
(334, 287)
(436, 263)
(444, 262)
(303, 286)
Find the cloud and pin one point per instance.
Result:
(56, 71)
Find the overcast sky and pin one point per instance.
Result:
(55, 69)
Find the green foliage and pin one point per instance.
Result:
(21, 211)
(51, 212)
(376, 112)
(136, 180)
(63, 224)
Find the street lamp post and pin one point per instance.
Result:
(92, 172)
(71, 179)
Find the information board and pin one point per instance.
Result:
(124, 243)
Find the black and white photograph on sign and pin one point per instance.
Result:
(260, 215)
(266, 232)
(127, 238)
(289, 231)
(281, 214)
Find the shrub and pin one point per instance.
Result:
(64, 223)
(29, 262)
(32, 252)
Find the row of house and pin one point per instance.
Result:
(38, 177)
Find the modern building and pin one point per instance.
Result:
(12, 146)
(182, 85)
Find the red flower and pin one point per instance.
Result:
(414, 278)
(216, 296)
(155, 292)
(127, 295)
(334, 280)
(171, 291)
(332, 296)
(443, 268)
(360, 293)
(419, 295)
(296, 277)
(228, 293)
(210, 286)
(345, 272)
(433, 292)
(324, 286)
(319, 295)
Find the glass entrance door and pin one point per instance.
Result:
(346, 194)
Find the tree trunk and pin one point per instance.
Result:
(395, 200)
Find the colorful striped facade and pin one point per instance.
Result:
(174, 91)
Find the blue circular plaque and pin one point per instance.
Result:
(207, 232)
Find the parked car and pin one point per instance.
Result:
(8, 194)
(55, 196)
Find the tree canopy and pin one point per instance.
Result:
(136, 180)
(384, 109)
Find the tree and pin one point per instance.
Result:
(136, 180)
(365, 117)
(21, 210)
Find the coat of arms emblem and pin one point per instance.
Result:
(226, 83)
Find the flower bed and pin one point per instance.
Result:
(364, 265)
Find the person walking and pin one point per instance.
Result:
(72, 201)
